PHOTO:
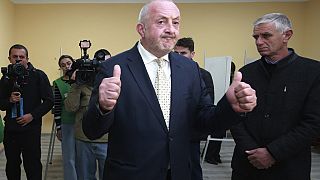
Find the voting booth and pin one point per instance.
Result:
(220, 70)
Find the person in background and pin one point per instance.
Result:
(185, 47)
(26, 96)
(102, 55)
(273, 141)
(89, 153)
(65, 120)
(214, 147)
(148, 98)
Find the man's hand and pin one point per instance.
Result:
(240, 95)
(260, 158)
(73, 76)
(25, 119)
(15, 97)
(109, 90)
(59, 134)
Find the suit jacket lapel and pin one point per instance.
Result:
(177, 76)
(140, 74)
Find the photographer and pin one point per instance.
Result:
(88, 152)
(65, 120)
(26, 96)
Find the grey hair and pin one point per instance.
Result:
(144, 11)
(281, 21)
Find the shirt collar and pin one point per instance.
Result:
(269, 61)
(147, 57)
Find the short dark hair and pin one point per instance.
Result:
(65, 56)
(186, 42)
(101, 52)
(18, 46)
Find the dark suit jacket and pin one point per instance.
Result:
(207, 78)
(140, 145)
(208, 82)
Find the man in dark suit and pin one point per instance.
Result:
(273, 142)
(185, 47)
(145, 141)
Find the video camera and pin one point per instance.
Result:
(15, 74)
(85, 68)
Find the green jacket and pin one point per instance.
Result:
(64, 88)
(77, 101)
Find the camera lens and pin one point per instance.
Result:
(18, 69)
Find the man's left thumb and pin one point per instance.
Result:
(237, 77)
(250, 151)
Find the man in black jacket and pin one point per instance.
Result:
(273, 143)
(185, 47)
(26, 96)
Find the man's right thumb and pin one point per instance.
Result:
(237, 77)
(116, 71)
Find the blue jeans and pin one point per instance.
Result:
(68, 146)
(88, 156)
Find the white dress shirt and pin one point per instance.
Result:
(151, 65)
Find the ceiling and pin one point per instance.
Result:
(141, 1)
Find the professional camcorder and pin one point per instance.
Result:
(15, 74)
(85, 68)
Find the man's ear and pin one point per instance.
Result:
(10, 60)
(140, 29)
(192, 54)
(287, 35)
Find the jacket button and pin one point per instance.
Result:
(266, 116)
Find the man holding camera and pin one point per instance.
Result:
(89, 153)
(26, 96)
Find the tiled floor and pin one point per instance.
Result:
(210, 172)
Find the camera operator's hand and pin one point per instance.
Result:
(109, 90)
(59, 134)
(25, 119)
(15, 97)
(73, 77)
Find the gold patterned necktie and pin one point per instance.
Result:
(163, 90)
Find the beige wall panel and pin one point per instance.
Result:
(226, 29)
(52, 29)
(6, 30)
(218, 29)
(312, 38)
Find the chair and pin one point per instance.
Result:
(209, 138)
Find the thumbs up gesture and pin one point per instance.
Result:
(240, 95)
(109, 90)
